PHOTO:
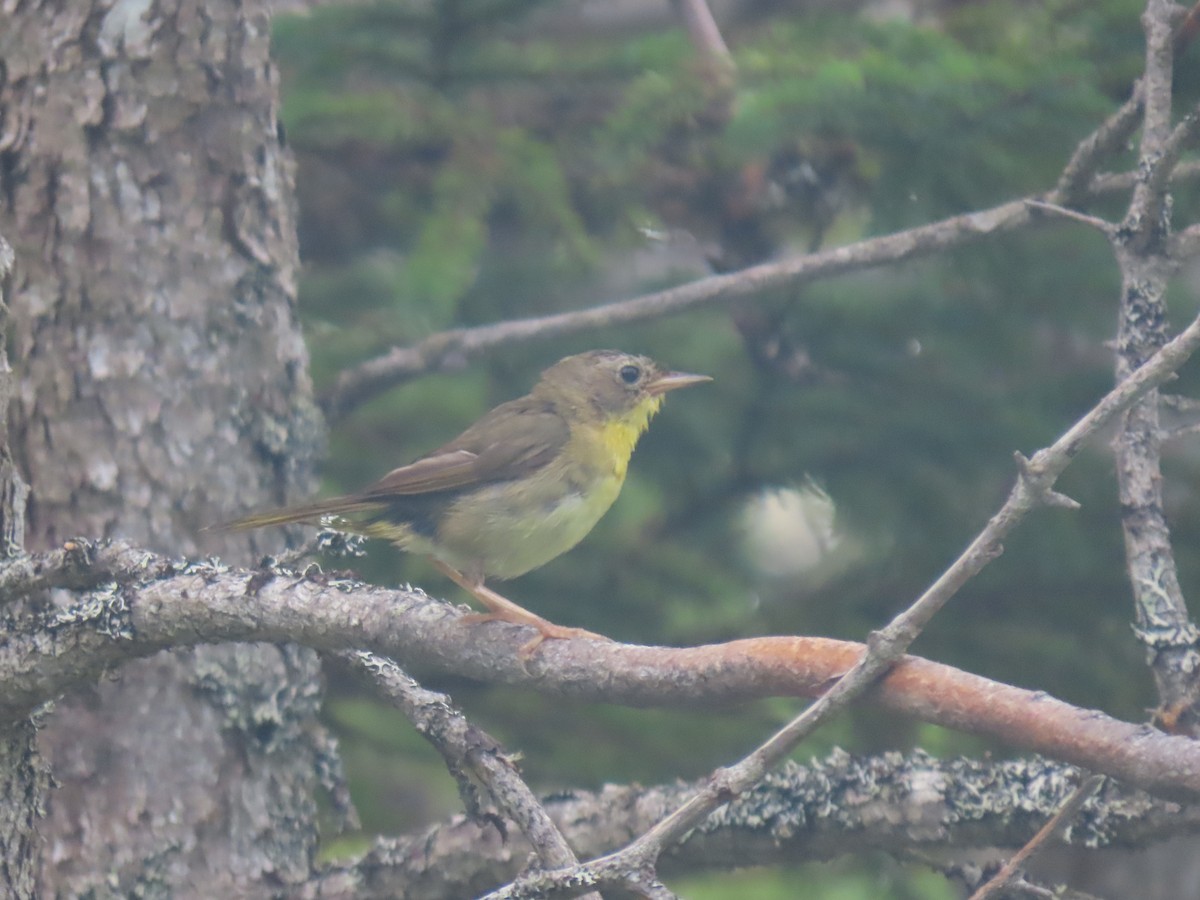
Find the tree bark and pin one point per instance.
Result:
(164, 386)
(24, 778)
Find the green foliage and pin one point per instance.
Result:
(945, 123)
(467, 163)
(819, 881)
(398, 781)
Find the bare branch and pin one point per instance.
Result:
(1143, 252)
(452, 349)
(1105, 228)
(467, 749)
(1118, 182)
(1146, 220)
(1098, 146)
(703, 31)
(1113, 134)
(1156, 82)
(1173, 146)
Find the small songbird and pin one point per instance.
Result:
(521, 486)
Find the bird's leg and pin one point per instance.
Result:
(504, 610)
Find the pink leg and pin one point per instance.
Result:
(504, 610)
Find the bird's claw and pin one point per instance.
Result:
(545, 631)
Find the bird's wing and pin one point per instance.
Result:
(512, 440)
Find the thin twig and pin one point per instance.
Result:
(1105, 228)
(1098, 146)
(1179, 432)
(1184, 413)
(1120, 182)
(452, 349)
(1008, 872)
(971, 875)
(1171, 150)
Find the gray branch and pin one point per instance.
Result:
(468, 751)
(833, 807)
(1147, 258)
(452, 349)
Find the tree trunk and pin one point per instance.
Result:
(164, 386)
(24, 778)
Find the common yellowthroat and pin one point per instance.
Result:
(521, 486)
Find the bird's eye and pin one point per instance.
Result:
(630, 374)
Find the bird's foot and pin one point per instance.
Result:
(546, 630)
(501, 609)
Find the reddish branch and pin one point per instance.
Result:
(206, 603)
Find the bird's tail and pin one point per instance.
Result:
(309, 512)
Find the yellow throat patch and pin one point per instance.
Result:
(620, 434)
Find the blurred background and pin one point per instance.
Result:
(463, 163)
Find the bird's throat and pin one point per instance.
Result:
(619, 435)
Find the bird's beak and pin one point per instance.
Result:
(673, 381)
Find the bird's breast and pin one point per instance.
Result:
(508, 529)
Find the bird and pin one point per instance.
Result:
(521, 486)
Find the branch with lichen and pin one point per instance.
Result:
(1147, 258)
(893, 803)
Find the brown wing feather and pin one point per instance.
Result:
(512, 440)
(309, 512)
(438, 471)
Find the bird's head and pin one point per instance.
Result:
(608, 385)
